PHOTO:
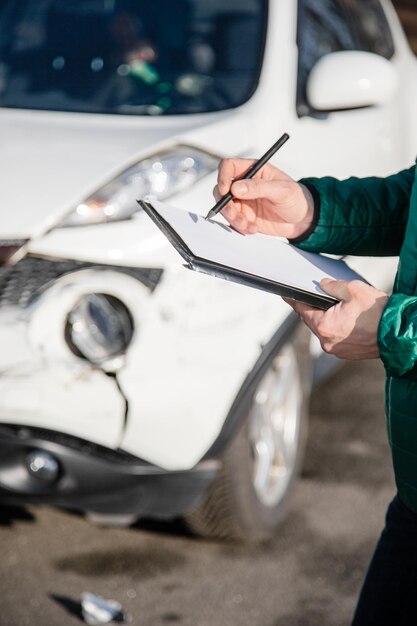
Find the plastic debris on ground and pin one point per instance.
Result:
(97, 610)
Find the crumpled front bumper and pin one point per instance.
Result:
(94, 478)
(42, 382)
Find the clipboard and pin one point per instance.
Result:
(216, 242)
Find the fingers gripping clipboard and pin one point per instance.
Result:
(259, 261)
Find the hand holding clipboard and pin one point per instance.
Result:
(259, 261)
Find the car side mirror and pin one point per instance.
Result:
(350, 79)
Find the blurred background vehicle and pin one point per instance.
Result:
(128, 386)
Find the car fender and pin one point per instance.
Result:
(184, 372)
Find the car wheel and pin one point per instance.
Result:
(249, 496)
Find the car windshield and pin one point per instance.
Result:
(144, 57)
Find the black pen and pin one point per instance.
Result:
(249, 174)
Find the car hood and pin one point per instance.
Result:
(49, 162)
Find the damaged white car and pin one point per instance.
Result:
(129, 386)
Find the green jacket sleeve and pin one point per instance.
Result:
(360, 216)
(397, 335)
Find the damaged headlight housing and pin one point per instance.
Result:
(99, 328)
(159, 177)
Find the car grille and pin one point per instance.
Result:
(20, 283)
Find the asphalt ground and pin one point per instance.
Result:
(309, 575)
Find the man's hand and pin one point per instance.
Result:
(349, 329)
(271, 203)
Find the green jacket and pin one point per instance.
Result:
(378, 217)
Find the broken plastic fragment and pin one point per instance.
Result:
(97, 610)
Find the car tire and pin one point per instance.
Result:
(249, 496)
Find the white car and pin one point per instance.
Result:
(130, 386)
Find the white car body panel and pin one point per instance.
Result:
(51, 398)
(94, 148)
(195, 355)
(196, 338)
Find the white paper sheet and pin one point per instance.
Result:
(265, 256)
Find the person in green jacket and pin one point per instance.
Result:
(360, 216)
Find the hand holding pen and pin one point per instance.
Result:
(271, 202)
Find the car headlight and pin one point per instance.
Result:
(159, 176)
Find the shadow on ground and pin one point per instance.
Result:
(11, 514)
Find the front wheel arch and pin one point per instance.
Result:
(231, 508)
